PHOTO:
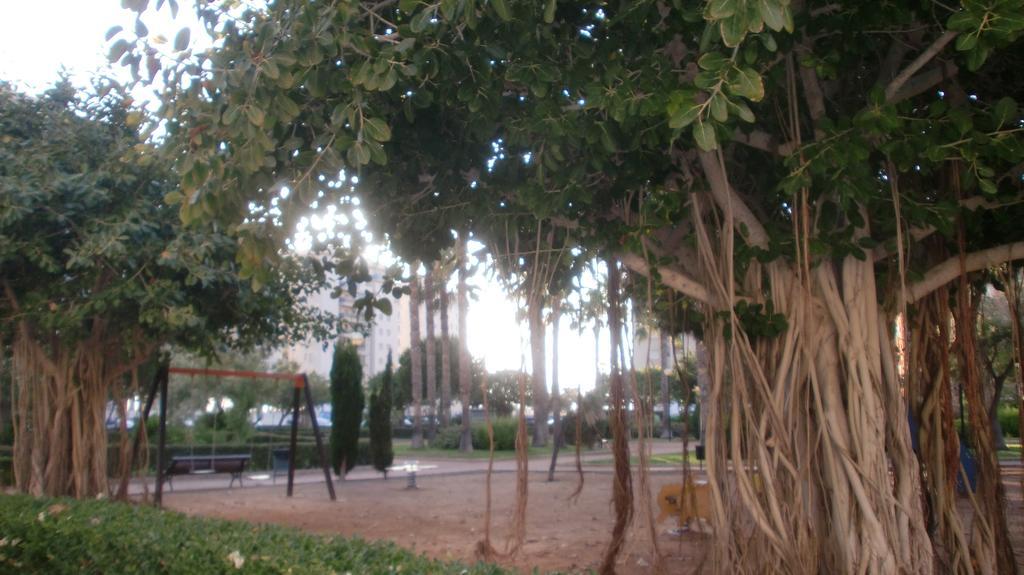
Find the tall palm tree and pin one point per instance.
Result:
(414, 355)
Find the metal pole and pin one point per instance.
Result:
(295, 437)
(319, 440)
(158, 497)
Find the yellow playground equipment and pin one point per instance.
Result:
(685, 501)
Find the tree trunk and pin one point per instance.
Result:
(816, 410)
(666, 398)
(59, 398)
(622, 484)
(1013, 284)
(446, 359)
(537, 353)
(930, 397)
(703, 385)
(991, 540)
(431, 351)
(465, 376)
(415, 365)
(998, 439)
(556, 395)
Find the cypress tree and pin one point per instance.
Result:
(381, 450)
(346, 407)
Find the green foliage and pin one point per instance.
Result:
(1007, 415)
(84, 234)
(448, 438)
(381, 448)
(591, 433)
(505, 429)
(402, 391)
(93, 537)
(346, 407)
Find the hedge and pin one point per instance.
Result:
(94, 537)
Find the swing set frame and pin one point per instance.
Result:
(301, 388)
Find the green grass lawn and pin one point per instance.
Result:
(663, 460)
(404, 450)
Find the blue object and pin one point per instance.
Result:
(967, 459)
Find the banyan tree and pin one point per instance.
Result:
(804, 172)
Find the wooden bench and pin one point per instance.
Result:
(202, 464)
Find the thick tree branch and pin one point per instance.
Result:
(949, 270)
(919, 233)
(894, 87)
(764, 141)
(726, 197)
(672, 278)
(925, 81)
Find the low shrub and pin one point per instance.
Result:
(94, 537)
(504, 434)
(447, 438)
(1007, 415)
(592, 434)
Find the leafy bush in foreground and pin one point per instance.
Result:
(57, 536)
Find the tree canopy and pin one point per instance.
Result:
(802, 171)
(97, 274)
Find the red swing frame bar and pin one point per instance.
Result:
(301, 387)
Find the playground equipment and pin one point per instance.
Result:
(301, 387)
(685, 501)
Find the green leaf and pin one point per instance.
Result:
(773, 13)
(734, 29)
(502, 9)
(713, 61)
(419, 22)
(181, 40)
(288, 106)
(607, 141)
(113, 31)
(140, 28)
(1005, 112)
(173, 198)
(271, 70)
(407, 6)
(741, 109)
(719, 9)
(358, 154)
(549, 11)
(448, 8)
(719, 107)
(965, 42)
(963, 21)
(704, 135)
(118, 50)
(747, 83)
(255, 115)
(404, 46)
(987, 186)
(339, 115)
(377, 129)
(682, 116)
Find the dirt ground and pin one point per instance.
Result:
(444, 518)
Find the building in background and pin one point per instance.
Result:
(372, 342)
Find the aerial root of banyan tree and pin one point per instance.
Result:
(60, 436)
(809, 453)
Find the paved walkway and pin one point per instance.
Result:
(433, 466)
(595, 461)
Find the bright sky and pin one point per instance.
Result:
(37, 39)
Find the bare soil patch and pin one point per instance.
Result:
(444, 518)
